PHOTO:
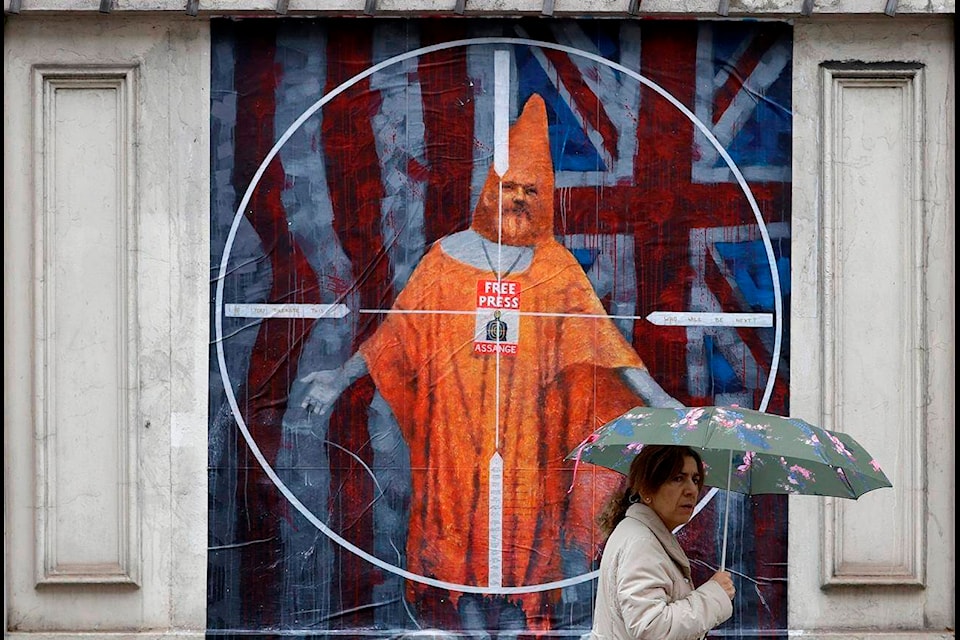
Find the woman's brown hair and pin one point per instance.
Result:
(650, 470)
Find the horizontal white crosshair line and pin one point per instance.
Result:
(660, 318)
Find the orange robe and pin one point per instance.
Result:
(558, 388)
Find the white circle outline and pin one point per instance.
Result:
(228, 390)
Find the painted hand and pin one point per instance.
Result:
(325, 387)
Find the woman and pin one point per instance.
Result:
(645, 588)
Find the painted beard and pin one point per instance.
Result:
(518, 226)
(521, 224)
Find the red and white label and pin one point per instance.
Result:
(497, 325)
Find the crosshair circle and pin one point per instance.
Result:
(228, 387)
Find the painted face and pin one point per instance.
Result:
(520, 200)
(675, 500)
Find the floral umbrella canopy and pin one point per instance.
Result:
(743, 450)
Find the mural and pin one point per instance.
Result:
(443, 253)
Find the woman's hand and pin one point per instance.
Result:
(724, 580)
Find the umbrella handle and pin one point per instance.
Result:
(726, 515)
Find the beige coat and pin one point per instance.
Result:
(645, 589)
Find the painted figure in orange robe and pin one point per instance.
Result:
(542, 385)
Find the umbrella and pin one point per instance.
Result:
(743, 450)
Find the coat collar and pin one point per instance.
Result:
(649, 518)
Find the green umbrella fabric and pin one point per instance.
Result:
(743, 450)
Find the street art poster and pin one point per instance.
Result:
(443, 252)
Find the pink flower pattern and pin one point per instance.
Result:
(840, 447)
(796, 477)
(748, 458)
(691, 419)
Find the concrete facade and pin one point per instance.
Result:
(106, 152)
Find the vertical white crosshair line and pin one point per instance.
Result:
(501, 162)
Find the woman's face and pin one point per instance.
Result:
(675, 500)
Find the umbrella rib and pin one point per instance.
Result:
(846, 480)
(726, 514)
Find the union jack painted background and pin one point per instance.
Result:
(362, 187)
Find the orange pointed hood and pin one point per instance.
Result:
(527, 220)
